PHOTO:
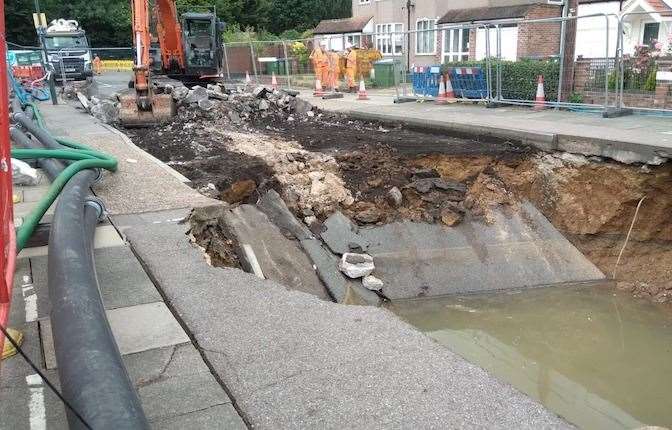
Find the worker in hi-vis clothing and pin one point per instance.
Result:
(334, 69)
(321, 64)
(97, 64)
(351, 68)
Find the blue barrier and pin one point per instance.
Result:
(468, 82)
(426, 80)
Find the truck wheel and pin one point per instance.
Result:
(131, 84)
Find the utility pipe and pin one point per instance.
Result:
(92, 374)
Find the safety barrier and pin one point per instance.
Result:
(426, 80)
(7, 234)
(468, 82)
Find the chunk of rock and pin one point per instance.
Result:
(426, 185)
(367, 213)
(450, 217)
(263, 105)
(394, 197)
(106, 111)
(356, 265)
(424, 174)
(180, 93)
(234, 117)
(260, 92)
(300, 106)
(239, 191)
(196, 94)
(342, 235)
(206, 105)
(372, 283)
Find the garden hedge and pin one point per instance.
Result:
(519, 78)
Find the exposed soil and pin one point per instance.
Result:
(324, 162)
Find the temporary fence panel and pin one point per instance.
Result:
(7, 235)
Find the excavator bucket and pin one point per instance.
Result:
(161, 110)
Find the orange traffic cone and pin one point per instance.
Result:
(362, 95)
(274, 82)
(247, 78)
(319, 92)
(450, 93)
(540, 99)
(441, 98)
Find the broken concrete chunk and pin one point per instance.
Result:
(425, 185)
(217, 95)
(356, 265)
(372, 283)
(424, 174)
(341, 235)
(234, 117)
(84, 101)
(106, 111)
(264, 105)
(206, 105)
(23, 174)
(394, 197)
(196, 94)
(180, 93)
(260, 92)
(300, 106)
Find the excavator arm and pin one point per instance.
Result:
(143, 106)
(170, 36)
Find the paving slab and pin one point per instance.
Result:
(152, 184)
(280, 259)
(122, 280)
(106, 236)
(291, 360)
(135, 329)
(520, 249)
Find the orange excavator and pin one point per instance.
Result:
(191, 51)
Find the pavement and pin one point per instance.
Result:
(630, 139)
(220, 348)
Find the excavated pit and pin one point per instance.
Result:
(321, 162)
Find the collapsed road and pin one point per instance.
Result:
(408, 197)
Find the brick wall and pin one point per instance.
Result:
(541, 39)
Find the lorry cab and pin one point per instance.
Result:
(67, 49)
(202, 35)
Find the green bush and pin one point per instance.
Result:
(575, 98)
(519, 78)
(650, 84)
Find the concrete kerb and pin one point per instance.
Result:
(543, 141)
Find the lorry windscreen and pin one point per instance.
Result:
(61, 42)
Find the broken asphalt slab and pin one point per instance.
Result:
(291, 360)
(520, 249)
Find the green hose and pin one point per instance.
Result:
(84, 157)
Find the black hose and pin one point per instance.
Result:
(40, 134)
(92, 374)
(51, 167)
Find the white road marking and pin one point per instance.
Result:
(38, 413)
(29, 299)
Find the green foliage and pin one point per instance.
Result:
(575, 98)
(300, 52)
(108, 22)
(650, 84)
(519, 78)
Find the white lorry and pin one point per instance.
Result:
(67, 49)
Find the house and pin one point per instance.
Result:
(437, 29)
(644, 21)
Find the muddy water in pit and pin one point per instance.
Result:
(597, 357)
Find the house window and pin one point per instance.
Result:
(390, 38)
(426, 37)
(455, 45)
(651, 30)
(508, 43)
